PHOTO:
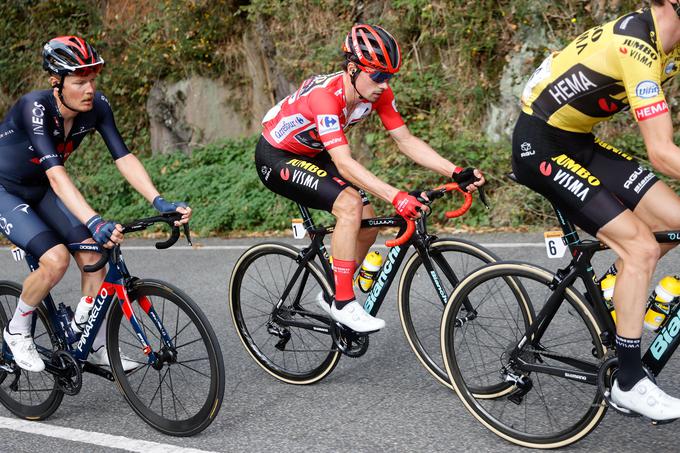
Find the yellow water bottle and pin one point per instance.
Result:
(368, 271)
(660, 300)
(607, 286)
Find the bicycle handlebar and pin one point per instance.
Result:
(433, 195)
(142, 224)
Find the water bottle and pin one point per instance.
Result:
(64, 316)
(82, 314)
(368, 271)
(607, 286)
(658, 305)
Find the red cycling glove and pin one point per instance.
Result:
(407, 205)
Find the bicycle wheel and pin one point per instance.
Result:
(557, 409)
(182, 395)
(292, 354)
(33, 396)
(420, 306)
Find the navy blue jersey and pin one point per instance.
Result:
(32, 138)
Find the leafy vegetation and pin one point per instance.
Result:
(455, 52)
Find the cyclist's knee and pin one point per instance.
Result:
(348, 205)
(642, 254)
(54, 263)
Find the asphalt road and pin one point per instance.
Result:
(383, 401)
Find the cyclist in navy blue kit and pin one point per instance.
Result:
(40, 207)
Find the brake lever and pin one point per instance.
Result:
(187, 233)
(482, 197)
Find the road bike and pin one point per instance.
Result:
(274, 288)
(177, 386)
(531, 356)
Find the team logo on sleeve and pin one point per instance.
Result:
(328, 123)
(650, 111)
(394, 105)
(647, 89)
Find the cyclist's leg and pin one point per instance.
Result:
(24, 227)
(57, 215)
(367, 236)
(315, 182)
(61, 220)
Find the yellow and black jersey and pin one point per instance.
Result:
(609, 68)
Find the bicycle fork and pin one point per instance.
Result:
(167, 353)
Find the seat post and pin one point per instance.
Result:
(307, 221)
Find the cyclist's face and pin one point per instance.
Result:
(78, 91)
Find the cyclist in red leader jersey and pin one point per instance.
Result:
(40, 207)
(303, 155)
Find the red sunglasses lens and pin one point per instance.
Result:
(84, 72)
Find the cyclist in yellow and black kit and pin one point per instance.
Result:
(621, 65)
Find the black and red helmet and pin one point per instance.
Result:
(67, 55)
(372, 49)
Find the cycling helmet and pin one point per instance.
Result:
(66, 55)
(372, 49)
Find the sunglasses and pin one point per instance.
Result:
(380, 77)
(85, 71)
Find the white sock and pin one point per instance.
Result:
(21, 321)
(100, 339)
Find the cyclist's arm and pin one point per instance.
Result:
(134, 172)
(420, 152)
(664, 155)
(69, 194)
(359, 175)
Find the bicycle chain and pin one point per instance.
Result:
(608, 354)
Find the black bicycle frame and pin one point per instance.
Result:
(382, 282)
(665, 343)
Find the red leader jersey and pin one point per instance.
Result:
(315, 117)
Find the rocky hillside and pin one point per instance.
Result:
(182, 74)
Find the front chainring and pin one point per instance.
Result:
(350, 343)
(70, 378)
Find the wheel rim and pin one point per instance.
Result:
(177, 396)
(289, 353)
(557, 411)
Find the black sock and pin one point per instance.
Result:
(340, 304)
(630, 365)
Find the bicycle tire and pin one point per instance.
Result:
(278, 261)
(538, 429)
(29, 407)
(193, 405)
(425, 306)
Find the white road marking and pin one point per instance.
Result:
(93, 438)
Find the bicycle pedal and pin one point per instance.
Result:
(8, 367)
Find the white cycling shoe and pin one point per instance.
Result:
(355, 317)
(23, 349)
(100, 357)
(648, 400)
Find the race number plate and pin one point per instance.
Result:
(298, 229)
(554, 246)
(18, 254)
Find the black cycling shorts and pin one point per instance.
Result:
(590, 181)
(314, 182)
(36, 220)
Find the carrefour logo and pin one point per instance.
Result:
(328, 123)
(647, 89)
(286, 125)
